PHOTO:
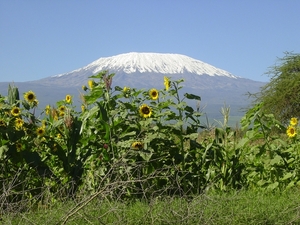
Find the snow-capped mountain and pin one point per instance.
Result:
(152, 63)
(143, 70)
(146, 70)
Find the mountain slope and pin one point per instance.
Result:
(139, 63)
(146, 70)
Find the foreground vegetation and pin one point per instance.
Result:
(143, 156)
(279, 95)
(243, 207)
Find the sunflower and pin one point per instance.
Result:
(91, 84)
(19, 123)
(167, 82)
(153, 94)
(44, 123)
(62, 114)
(19, 146)
(83, 87)
(40, 131)
(125, 89)
(30, 96)
(62, 108)
(126, 92)
(35, 102)
(2, 123)
(47, 109)
(137, 145)
(16, 111)
(145, 111)
(68, 98)
(291, 131)
(294, 121)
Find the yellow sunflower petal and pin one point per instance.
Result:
(153, 94)
(40, 131)
(166, 82)
(145, 111)
(16, 111)
(294, 121)
(30, 96)
(291, 131)
(137, 145)
(68, 98)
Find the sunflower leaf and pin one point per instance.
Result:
(189, 109)
(192, 96)
(118, 88)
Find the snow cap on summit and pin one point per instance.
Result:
(157, 63)
(162, 63)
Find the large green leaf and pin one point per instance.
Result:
(3, 150)
(192, 96)
(287, 176)
(273, 185)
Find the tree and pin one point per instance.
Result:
(281, 96)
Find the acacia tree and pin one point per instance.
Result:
(281, 96)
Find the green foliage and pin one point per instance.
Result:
(243, 207)
(271, 160)
(280, 96)
(13, 95)
(130, 143)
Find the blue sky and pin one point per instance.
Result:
(44, 38)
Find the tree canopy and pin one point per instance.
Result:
(281, 96)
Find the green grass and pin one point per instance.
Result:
(245, 207)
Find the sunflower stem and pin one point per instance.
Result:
(181, 136)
